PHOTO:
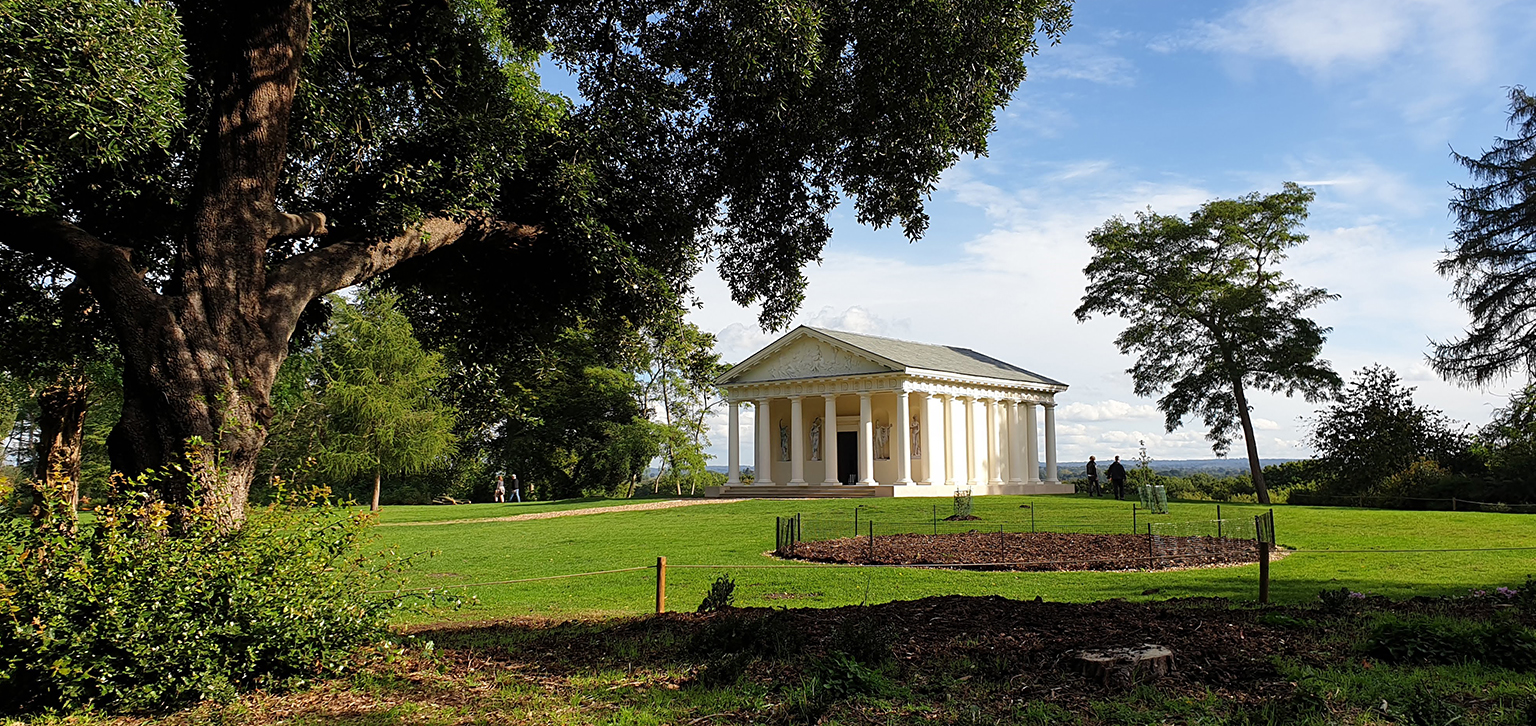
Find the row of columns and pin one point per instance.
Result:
(1020, 454)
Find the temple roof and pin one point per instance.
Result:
(904, 355)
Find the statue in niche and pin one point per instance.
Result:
(917, 438)
(883, 442)
(783, 440)
(816, 439)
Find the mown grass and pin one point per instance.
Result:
(703, 542)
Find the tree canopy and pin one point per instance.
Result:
(1494, 251)
(1210, 316)
(1375, 430)
(314, 146)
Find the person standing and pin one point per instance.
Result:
(501, 489)
(517, 490)
(1117, 478)
(1093, 478)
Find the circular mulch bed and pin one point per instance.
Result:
(1031, 552)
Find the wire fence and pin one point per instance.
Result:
(1393, 501)
(1037, 544)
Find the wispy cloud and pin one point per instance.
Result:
(1091, 63)
(1323, 36)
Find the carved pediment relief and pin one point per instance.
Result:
(810, 358)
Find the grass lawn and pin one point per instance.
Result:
(492, 510)
(734, 538)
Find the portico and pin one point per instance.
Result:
(835, 411)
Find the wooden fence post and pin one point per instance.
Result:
(1263, 559)
(661, 585)
(1218, 521)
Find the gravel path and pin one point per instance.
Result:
(668, 504)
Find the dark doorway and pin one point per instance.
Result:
(847, 455)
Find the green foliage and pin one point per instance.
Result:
(1502, 642)
(722, 595)
(1507, 448)
(1492, 252)
(382, 414)
(86, 84)
(678, 372)
(127, 614)
(1375, 441)
(840, 675)
(1209, 312)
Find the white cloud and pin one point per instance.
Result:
(1264, 424)
(1323, 35)
(1107, 411)
(857, 319)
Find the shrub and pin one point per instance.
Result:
(721, 595)
(147, 608)
(1441, 640)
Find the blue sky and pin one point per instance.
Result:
(1168, 105)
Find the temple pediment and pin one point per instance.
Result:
(807, 357)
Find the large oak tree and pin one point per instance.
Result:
(312, 146)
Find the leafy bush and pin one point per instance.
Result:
(840, 676)
(721, 595)
(1440, 640)
(1340, 600)
(146, 608)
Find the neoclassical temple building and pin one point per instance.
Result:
(840, 414)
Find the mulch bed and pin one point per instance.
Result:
(1030, 552)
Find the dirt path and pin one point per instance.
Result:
(570, 512)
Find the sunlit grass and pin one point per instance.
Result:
(735, 538)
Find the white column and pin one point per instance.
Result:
(970, 439)
(994, 437)
(796, 442)
(1015, 444)
(1031, 444)
(866, 440)
(1050, 444)
(925, 437)
(764, 458)
(829, 439)
(948, 402)
(733, 447)
(903, 453)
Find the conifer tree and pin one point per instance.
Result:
(1495, 249)
(381, 412)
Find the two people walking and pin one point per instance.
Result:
(1116, 473)
(501, 489)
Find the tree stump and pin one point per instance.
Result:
(1122, 667)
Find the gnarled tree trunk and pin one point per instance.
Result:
(61, 422)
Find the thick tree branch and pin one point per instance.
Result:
(107, 269)
(302, 278)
